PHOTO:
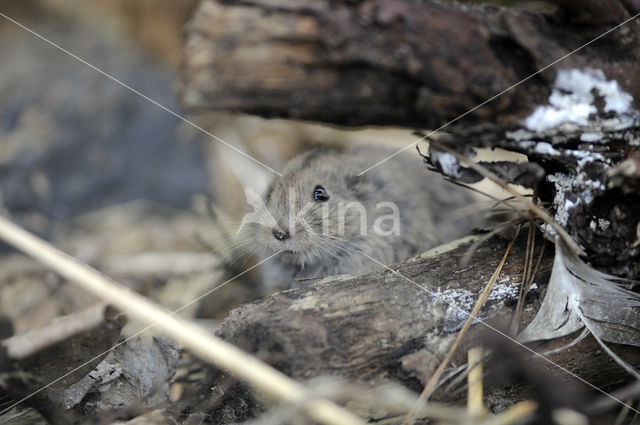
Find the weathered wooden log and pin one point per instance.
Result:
(396, 327)
(396, 62)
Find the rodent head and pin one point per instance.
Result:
(317, 210)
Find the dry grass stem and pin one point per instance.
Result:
(526, 287)
(568, 240)
(431, 384)
(200, 342)
(475, 405)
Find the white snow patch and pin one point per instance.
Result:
(582, 105)
(520, 135)
(563, 185)
(464, 299)
(587, 155)
(501, 292)
(572, 100)
(587, 196)
(448, 162)
(591, 137)
(604, 224)
(545, 148)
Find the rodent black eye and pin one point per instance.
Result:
(320, 194)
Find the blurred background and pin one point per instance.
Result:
(117, 181)
(113, 179)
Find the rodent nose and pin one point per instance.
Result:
(280, 235)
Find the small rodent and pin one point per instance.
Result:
(317, 204)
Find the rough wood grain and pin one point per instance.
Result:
(381, 327)
(395, 61)
(424, 63)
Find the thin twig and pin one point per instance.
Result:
(568, 240)
(200, 342)
(431, 384)
(475, 405)
(502, 227)
(526, 269)
(468, 187)
(304, 279)
(525, 291)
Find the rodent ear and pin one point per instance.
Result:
(360, 185)
(352, 181)
(357, 186)
(267, 193)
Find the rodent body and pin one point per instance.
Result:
(327, 220)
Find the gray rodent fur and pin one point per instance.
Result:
(424, 200)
